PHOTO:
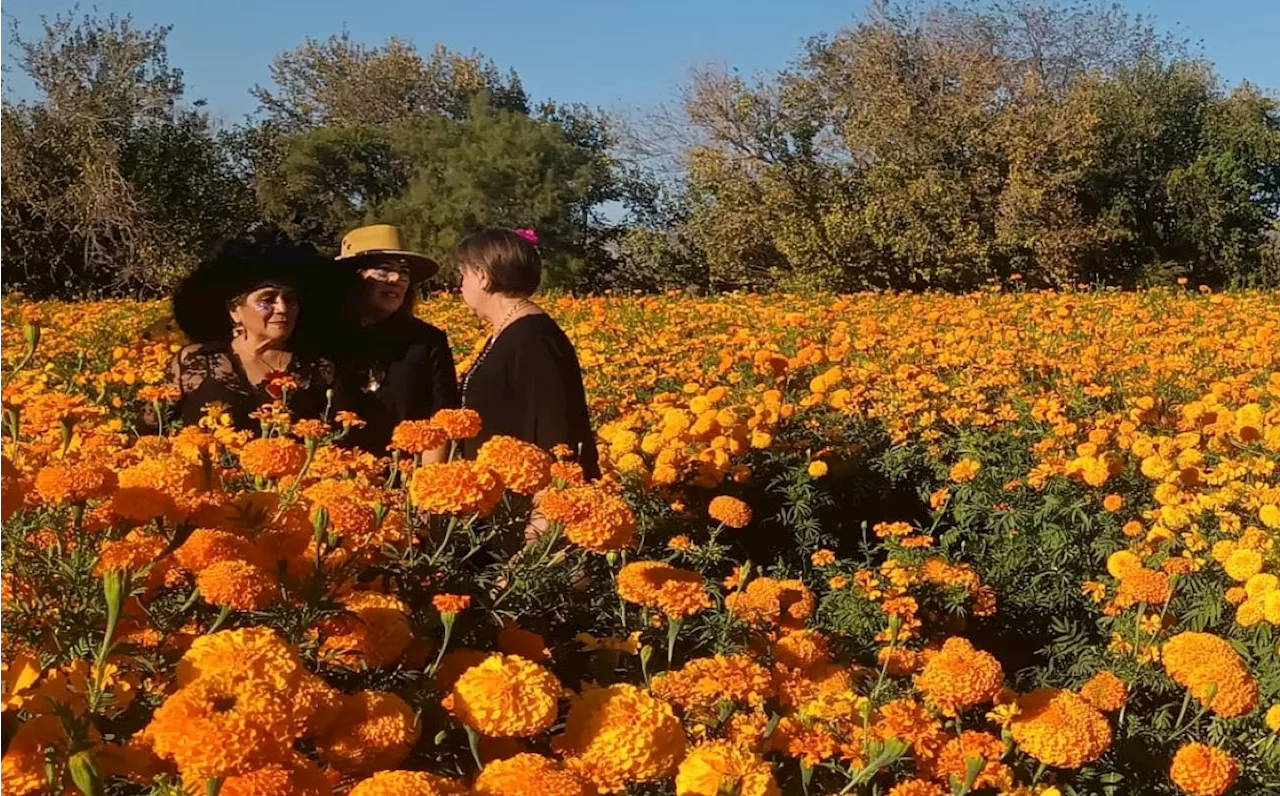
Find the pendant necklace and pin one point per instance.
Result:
(466, 380)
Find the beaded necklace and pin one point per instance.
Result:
(484, 352)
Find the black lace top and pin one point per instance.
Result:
(211, 372)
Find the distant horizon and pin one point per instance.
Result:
(572, 53)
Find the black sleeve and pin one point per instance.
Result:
(541, 370)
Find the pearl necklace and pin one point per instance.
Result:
(484, 352)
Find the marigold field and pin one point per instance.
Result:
(905, 545)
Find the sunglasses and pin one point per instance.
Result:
(392, 272)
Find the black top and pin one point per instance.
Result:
(529, 386)
(399, 369)
(207, 372)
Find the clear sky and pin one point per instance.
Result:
(618, 54)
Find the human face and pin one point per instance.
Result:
(475, 289)
(386, 286)
(268, 313)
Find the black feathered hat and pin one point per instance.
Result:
(264, 255)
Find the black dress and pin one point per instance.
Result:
(399, 369)
(205, 373)
(529, 386)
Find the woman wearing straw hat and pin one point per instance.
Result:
(397, 366)
(240, 308)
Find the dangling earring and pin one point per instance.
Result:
(237, 329)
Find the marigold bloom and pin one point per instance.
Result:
(1204, 663)
(1121, 562)
(458, 488)
(1105, 691)
(965, 470)
(417, 436)
(297, 776)
(953, 758)
(451, 603)
(703, 684)
(408, 783)
(802, 649)
(1243, 564)
(207, 546)
(139, 548)
(675, 592)
(916, 787)
(377, 633)
(258, 653)
(730, 511)
(237, 585)
(1272, 718)
(960, 677)
(619, 735)
(160, 486)
(458, 423)
(506, 696)
(528, 775)
(76, 482)
(818, 469)
(1060, 729)
(523, 467)
(717, 767)
(1142, 585)
(348, 505)
(23, 768)
(1203, 770)
(593, 518)
(272, 457)
(823, 558)
(221, 725)
(787, 603)
(1113, 503)
(375, 731)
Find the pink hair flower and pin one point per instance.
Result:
(528, 235)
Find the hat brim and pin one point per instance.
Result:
(421, 266)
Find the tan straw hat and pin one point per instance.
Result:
(382, 242)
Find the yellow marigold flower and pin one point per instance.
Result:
(221, 725)
(528, 775)
(1271, 607)
(787, 603)
(76, 482)
(408, 783)
(965, 470)
(237, 585)
(620, 735)
(1261, 583)
(1142, 585)
(675, 592)
(1243, 564)
(1094, 591)
(458, 423)
(458, 487)
(818, 468)
(417, 436)
(1105, 691)
(273, 457)
(703, 684)
(730, 511)
(451, 603)
(823, 558)
(1204, 663)
(960, 677)
(258, 653)
(1270, 515)
(1060, 729)
(1202, 770)
(523, 467)
(1122, 561)
(374, 731)
(717, 767)
(376, 632)
(1272, 718)
(506, 696)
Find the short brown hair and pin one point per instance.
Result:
(511, 262)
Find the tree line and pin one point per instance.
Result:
(1050, 141)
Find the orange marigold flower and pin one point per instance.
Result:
(408, 783)
(155, 487)
(916, 787)
(619, 735)
(297, 776)
(417, 436)
(207, 546)
(718, 767)
(680, 543)
(348, 419)
(77, 482)
(23, 767)
(960, 677)
(913, 724)
(1121, 562)
(1113, 503)
(451, 603)
(952, 761)
(802, 649)
(1203, 770)
(529, 775)
(458, 487)
(136, 550)
(898, 661)
(255, 652)
(766, 601)
(1060, 729)
(506, 696)
(569, 473)
(454, 663)
(349, 506)
(1105, 691)
(237, 585)
(823, 558)
(730, 511)
(1142, 585)
(965, 470)
(593, 518)
(523, 467)
(221, 725)
(458, 423)
(818, 468)
(1204, 663)
(675, 592)
(703, 684)
(377, 632)
(272, 457)
(374, 731)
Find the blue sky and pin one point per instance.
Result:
(618, 54)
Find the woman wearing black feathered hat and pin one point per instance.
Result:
(245, 308)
